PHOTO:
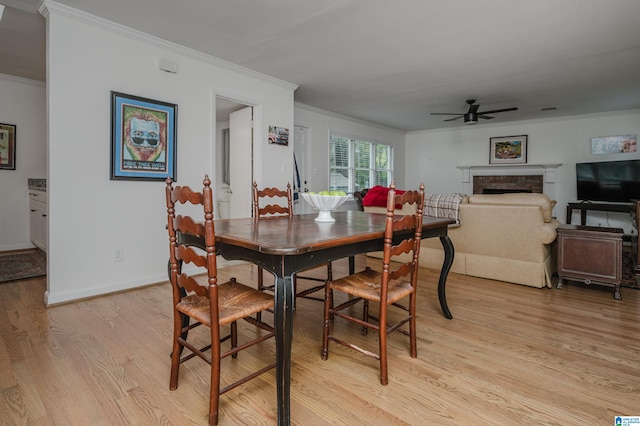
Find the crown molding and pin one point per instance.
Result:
(49, 6)
(346, 117)
(22, 80)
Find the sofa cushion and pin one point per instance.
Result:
(520, 199)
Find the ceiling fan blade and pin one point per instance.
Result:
(473, 108)
(454, 118)
(446, 113)
(498, 110)
(486, 117)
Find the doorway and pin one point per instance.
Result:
(301, 168)
(233, 158)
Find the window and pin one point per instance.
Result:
(356, 164)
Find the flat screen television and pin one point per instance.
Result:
(612, 181)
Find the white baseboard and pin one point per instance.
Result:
(57, 298)
(17, 247)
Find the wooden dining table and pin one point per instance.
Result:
(285, 246)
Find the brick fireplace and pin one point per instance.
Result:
(496, 184)
(540, 178)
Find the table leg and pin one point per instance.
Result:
(283, 324)
(352, 265)
(449, 252)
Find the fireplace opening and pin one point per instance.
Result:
(507, 184)
(504, 190)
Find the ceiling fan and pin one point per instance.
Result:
(471, 116)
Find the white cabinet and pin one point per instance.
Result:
(38, 218)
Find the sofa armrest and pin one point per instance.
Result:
(548, 231)
(358, 196)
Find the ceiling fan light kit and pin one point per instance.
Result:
(471, 116)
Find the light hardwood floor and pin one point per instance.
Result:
(512, 355)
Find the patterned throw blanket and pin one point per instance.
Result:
(443, 206)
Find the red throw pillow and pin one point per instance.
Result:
(377, 197)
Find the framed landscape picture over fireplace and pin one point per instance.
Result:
(508, 150)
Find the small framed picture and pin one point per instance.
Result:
(278, 135)
(508, 150)
(614, 144)
(7, 147)
(143, 138)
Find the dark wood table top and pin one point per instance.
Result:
(302, 234)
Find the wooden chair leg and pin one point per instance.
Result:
(176, 351)
(328, 304)
(234, 338)
(214, 391)
(412, 326)
(384, 378)
(365, 316)
(261, 288)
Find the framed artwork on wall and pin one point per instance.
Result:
(614, 144)
(278, 135)
(508, 150)
(7, 147)
(143, 138)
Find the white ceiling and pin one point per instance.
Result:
(391, 62)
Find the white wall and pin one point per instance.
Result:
(90, 215)
(320, 123)
(432, 156)
(23, 104)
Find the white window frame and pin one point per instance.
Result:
(351, 169)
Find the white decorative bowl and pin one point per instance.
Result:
(325, 204)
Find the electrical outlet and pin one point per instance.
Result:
(117, 255)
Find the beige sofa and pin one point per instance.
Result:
(505, 237)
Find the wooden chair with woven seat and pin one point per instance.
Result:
(264, 206)
(199, 296)
(390, 287)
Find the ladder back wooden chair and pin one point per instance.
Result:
(200, 297)
(390, 287)
(264, 206)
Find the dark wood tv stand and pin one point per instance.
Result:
(585, 206)
(590, 254)
(630, 250)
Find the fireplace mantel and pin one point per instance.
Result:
(547, 170)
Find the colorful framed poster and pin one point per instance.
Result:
(7, 147)
(143, 138)
(508, 150)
